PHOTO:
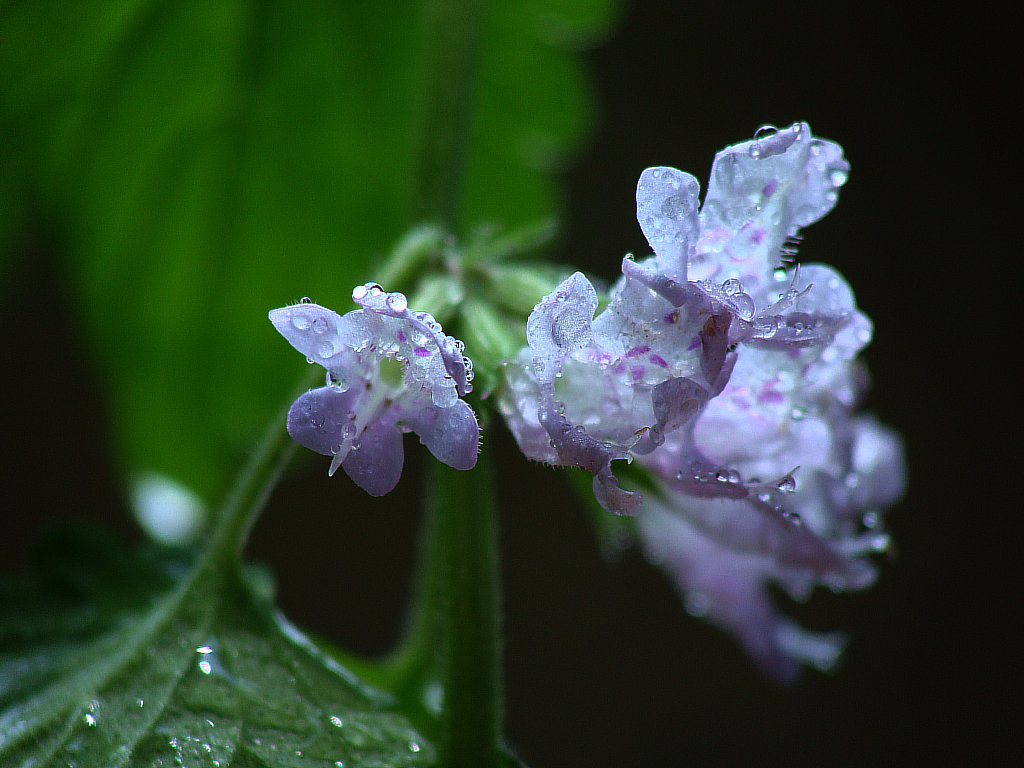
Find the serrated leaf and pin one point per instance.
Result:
(211, 161)
(118, 659)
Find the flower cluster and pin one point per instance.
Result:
(732, 377)
(368, 402)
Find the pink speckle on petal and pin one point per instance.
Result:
(401, 335)
(695, 344)
(422, 352)
(637, 372)
(637, 351)
(658, 360)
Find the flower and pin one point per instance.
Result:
(368, 403)
(731, 377)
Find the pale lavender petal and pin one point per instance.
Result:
(458, 367)
(761, 192)
(561, 324)
(666, 208)
(311, 329)
(451, 434)
(375, 461)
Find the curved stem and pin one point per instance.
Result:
(252, 488)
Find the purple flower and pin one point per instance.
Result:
(732, 377)
(389, 371)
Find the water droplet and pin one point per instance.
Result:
(336, 721)
(696, 604)
(359, 293)
(744, 305)
(798, 413)
(754, 151)
(787, 484)
(90, 720)
(305, 300)
(325, 349)
(310, 360)
(300, 322)
(317, 419)
(765, 131)
(140, 703)
(397, 302)
(838, 177)
(204, 667)
(348, 431)
(204, 649)
(339, 764)
(779, 274)
(870, 519)
(852, 480)
(722, 475)
(732, 287)
(414, 747)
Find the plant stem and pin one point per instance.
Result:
(252, 488)
(462, 535)
(452, 34)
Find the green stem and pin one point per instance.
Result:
(252, 488)
(452, 33)
(462, 530)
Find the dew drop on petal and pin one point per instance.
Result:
(305, 300)
(744, 305)
(397, 302)
(870, 519)
(765, 131)
(731, 287)
(787, 484)
(300, 322)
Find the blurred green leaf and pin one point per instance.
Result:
(209, 162)
(112, 658)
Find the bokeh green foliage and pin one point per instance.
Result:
(197, 164)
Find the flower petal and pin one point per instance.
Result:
(666, 209)
(375, 461)
(311, 329)
(451, 434)
(319, 418)
(760, 193)
(561, 324)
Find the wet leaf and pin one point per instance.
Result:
(114, 658)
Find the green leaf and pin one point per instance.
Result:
(114, 658)
(207, 162)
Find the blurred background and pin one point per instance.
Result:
(603, 667)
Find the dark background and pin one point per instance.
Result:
(603, 667)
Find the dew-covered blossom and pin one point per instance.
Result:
(390, 370)
(731, 375)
